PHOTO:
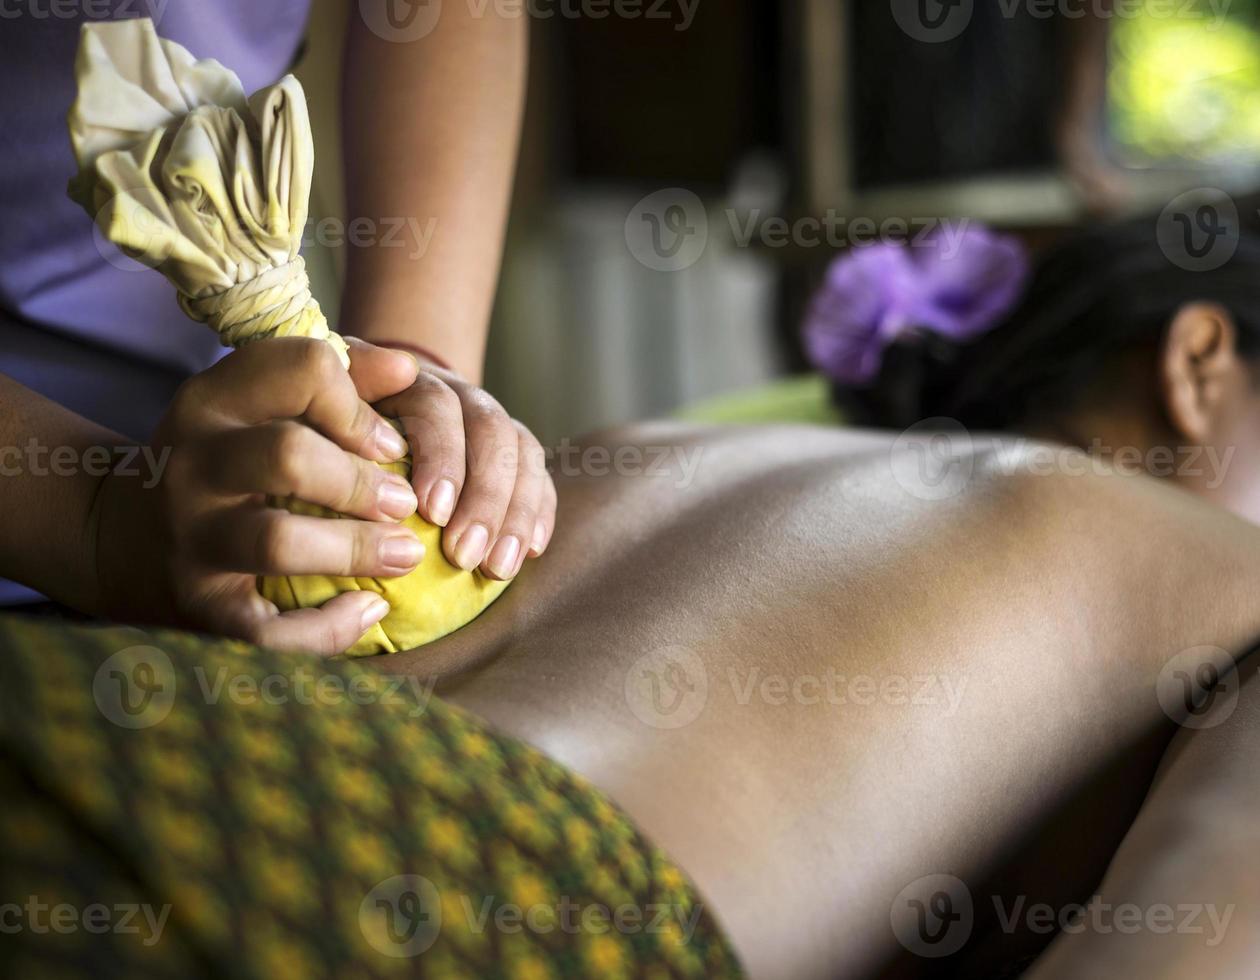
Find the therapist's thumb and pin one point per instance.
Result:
(379, 372)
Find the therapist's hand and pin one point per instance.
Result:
(281, 417)
(477, 472)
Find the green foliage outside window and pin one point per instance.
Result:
(1185, 81)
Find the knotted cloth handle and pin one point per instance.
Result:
(209, 188)
(275, 303)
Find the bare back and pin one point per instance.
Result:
(790, 665)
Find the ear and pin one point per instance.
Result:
(1199, 369)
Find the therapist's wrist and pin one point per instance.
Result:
(132, 556)
(424, 354)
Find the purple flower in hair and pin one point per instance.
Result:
(957, 282)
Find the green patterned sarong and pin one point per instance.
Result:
(175, 807)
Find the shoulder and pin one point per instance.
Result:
(1182, 569)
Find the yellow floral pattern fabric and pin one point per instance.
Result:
(266, 815)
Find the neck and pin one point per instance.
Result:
(1122, 440)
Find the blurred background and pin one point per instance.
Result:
(688, 173)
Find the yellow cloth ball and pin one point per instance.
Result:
(434, 599)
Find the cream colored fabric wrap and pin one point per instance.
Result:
(185, 174)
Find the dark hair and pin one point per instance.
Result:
(1106, 290)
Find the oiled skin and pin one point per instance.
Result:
(1193, 849)
(1050, 602)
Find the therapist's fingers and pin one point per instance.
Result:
(270, 541)
(518, 530)
(288, 459)
(378, 372)
(329, 630)
(433, 419)
(492, 447)
(286, 378)
(546, 524)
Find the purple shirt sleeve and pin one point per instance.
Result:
(80, 322)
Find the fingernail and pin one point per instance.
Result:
(402, 551)
(396, 498)
(377, 610)
(539, 539)
(471, 547)
(504, 557)
(389, 443)
(442, 502)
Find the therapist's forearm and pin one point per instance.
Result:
(431, 129)
(51, 464)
